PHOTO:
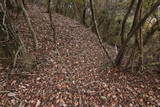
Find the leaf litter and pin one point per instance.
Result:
(69, 74)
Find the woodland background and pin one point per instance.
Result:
(79, 49)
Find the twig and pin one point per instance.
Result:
(22, 74)
(94, 82)
(4, 92)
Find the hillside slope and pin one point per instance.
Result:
(68, 73)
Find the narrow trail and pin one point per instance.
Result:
(74, 78)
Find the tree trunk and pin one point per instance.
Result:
(51, 22)
(122, 51)
(49, 4)
(141, 44)
(124, 21)
(58, 6)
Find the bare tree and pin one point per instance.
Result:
(122, 51)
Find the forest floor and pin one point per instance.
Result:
(70, 73)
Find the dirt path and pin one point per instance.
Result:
(73, 76)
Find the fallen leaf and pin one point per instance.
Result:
(11, 94)
(38, 103)
(103, 97)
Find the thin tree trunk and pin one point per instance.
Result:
(84, 16)
(84, 13)
(48, 9)
(29, 24)
(124, 21)
(51, 21)
(98, 34)
(58, 6)
(137, 18)
(122, 51)
(141, 44)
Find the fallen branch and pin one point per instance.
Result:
(4, 92)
